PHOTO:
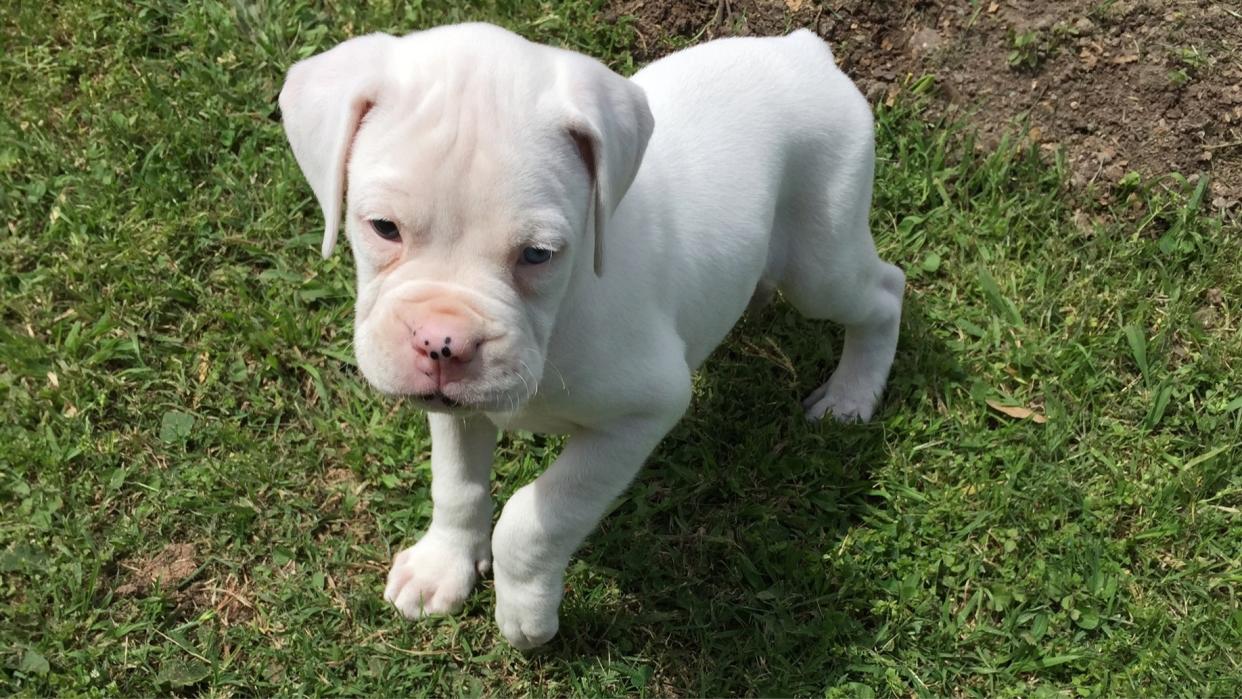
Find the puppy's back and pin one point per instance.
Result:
(752, 87)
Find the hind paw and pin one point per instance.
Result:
(845, 402)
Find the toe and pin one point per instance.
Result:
(527, 638)
(816, 397)
(409, 601)
(525, 631)
(815, 412)
(397, 579)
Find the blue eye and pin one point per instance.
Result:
(536, 256)
(385, 229)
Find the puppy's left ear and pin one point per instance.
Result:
(322, 104)
(610, 124)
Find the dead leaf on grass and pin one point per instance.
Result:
(1017, 411)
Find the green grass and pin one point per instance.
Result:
(158, 258)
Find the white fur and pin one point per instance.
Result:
(713, 176)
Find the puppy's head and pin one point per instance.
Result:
(478, 172)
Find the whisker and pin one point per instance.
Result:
(525, 384)
(530, 393)
(564, 386)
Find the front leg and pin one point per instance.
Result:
(435, 575)
(545, 521)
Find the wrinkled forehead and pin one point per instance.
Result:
(402, 171)
(462, 131)
(406, 171)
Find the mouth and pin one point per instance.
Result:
(439, 397)
(438, 401)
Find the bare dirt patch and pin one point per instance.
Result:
(1149, 86)
(171, 568)
(167, 569)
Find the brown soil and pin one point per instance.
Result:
(170, 569)
(166, 569)
(1151, 86)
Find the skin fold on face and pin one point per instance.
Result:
(461, 228)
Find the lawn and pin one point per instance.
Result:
(199, 494)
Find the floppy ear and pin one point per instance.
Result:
(610, 124)
(322, 102)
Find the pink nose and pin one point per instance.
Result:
(445, 343)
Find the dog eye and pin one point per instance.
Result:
(385, 229)
(536, 256)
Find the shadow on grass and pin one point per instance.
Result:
(725, 556)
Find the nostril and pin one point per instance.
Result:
(433, 340)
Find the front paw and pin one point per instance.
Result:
(435, 575)
(526, 608)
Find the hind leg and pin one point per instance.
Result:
(832, 272)
(853, 391)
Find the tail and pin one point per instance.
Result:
(808, 36)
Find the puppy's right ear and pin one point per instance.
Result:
(322, 102)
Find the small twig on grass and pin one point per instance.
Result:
(178, 644)
(415, 653)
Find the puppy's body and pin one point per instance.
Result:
(757, 175)
(759, 171)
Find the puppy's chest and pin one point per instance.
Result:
(532, 420)
(550, 412)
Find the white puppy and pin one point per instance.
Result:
(544, 245)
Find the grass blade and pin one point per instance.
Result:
(1138, 348)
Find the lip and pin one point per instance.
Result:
(439, 397)
(439, 402)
